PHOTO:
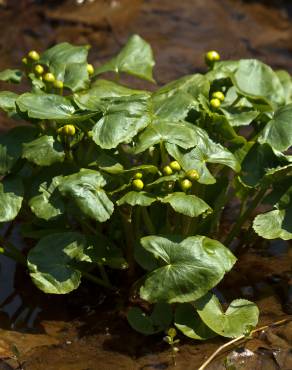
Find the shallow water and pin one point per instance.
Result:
(85, 330)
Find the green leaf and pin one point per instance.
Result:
(260, 162)
(238, 116)
(103, 93)
(286, 81)
(11, 146)
(49, 203)
(11, 75)
(188, 205)
(85, 189)
(101, 251)
(190, 324)
(49, 262)
(7, 101)
(135, 198)
(121, 121)
(278, 131)
(159, 131)
(239, 319)
(50, 106)
(189, 268)
(269, 225)
(174, 100)
(136, 58)
(206, 151)
(43, 151)
(68, 63)
(256, 80)
(11, 196)
(158, 321)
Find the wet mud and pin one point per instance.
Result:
(87, 330)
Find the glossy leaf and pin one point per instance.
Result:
(174, 100)
(49, 203)
(136, 58)
(85, 188)
(239, 319)
(123, 119)
(68, 63)
(43, 151)
(51, 107)
(278, 132)
(190, 324)
(11, 75)
(188, 205)
(11, 196)
(269, 225)
(135, 198)
(158, 321)
(7, 101)
(257, 80)
(189, 268)
(164, 131)
(11, 146)
(50, 262)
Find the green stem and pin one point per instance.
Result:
(104, 275)
(148, 222)
(11, 251)
(163, 153)
(130, 243)
(241, 220)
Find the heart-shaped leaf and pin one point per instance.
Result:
(269, 225)
(43, 151)
(136, 58)
(239, 319)
(189, 268)
(188, 205)
(11, 146)
(68, 63)
(49, 203)
(11, 75)
(85, 188)
(278, 132)
(188, 321)
(158, 321)
(11, 196)
(50, 262)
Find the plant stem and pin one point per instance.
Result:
(163, 153)
(11, 251)
(241, 220)
(148, 222)
(130, 243)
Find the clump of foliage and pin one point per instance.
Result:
(105, 177)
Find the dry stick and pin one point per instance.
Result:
(242, 337)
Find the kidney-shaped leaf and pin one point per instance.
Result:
(11, 196)
(188, 205)
(188, 321)
(239, 319)
(159, 131)
(271, 225)
(136, 58)
(49, 203)
(85, 189)
(278, 132)
(158, 321)
(121, 121)
(69, 64)
(11, 75)
(11, 146)
(136, 198)
(257, 80)
(7, 101)
(188, 268)
(174, 100)
(50, 106)
(43, 151)
(50, 262)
